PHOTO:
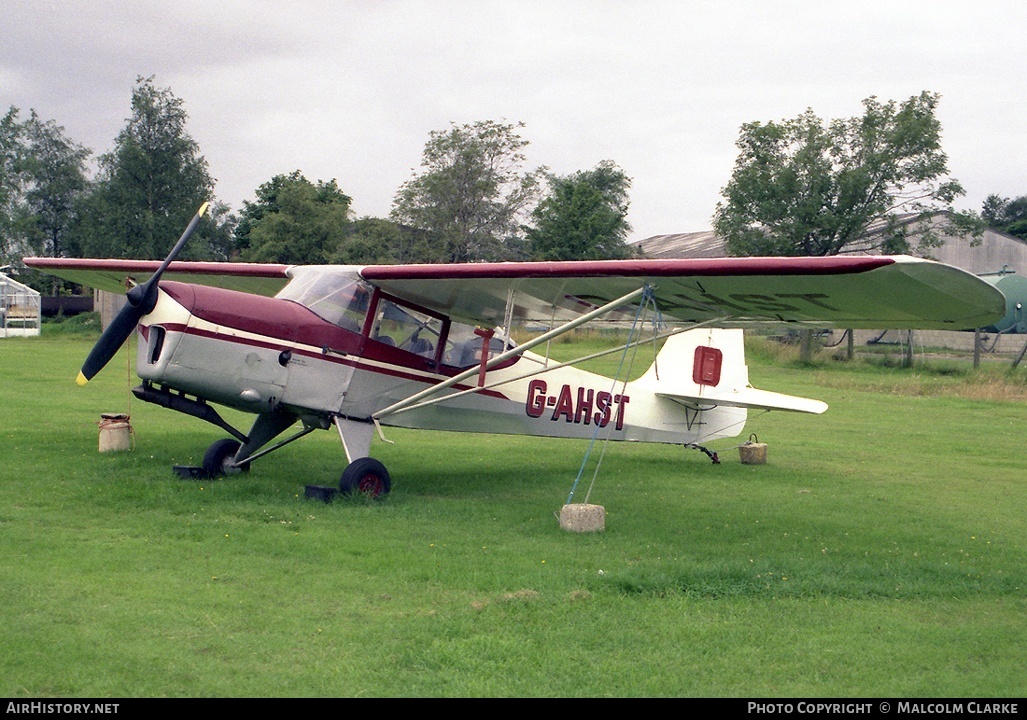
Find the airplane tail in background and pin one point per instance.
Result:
(705, 368)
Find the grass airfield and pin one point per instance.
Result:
(882, 552)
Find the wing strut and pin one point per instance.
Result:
(502, 357)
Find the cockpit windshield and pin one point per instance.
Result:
(341, 301)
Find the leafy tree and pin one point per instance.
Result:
(583, 217)
(803, 187)
(294, 221)
(149, 186)
(1009, 216)
(42, 175)
(471, 193)
(218, 230)
(12, 182)
(373, 240)
(266, 203)
(56, 173)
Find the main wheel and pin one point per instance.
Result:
(218, 461)
(367, 476)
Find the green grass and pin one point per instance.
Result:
(882, 551)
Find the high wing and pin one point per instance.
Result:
(848, 292)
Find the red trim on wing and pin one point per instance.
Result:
(150, 266)
(709, 267)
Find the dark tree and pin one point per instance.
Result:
(56, 173)
(1008, 216)
(294, 221)
(583, 216)
(13, 152)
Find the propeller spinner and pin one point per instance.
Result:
(141, 301)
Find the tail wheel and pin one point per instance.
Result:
(366, 476)
(219, 460)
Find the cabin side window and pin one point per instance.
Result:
(464, 346)
(406, 329)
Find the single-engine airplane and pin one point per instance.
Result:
(429, 346)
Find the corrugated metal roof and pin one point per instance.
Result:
(706, 244)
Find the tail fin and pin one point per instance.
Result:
(706, 367)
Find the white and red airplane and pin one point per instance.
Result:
(428, 346)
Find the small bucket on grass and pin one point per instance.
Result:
(753, 452)
(115, 432)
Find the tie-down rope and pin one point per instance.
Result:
(647, 299)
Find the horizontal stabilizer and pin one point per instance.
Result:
(748, 398)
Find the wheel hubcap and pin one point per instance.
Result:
(371, 485)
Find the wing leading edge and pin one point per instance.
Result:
(111, 275)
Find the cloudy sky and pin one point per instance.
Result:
(350, 90)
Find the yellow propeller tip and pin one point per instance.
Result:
(203, 209)
(81, 379)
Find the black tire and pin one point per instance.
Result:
(366, 476)
(217, 461)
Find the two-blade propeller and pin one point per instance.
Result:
(141, 301)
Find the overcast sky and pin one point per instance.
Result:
(351, 90)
